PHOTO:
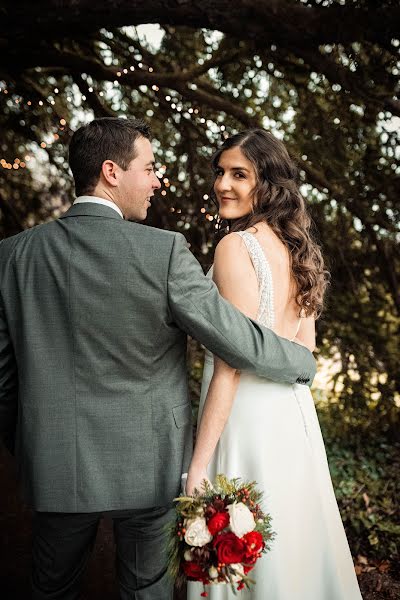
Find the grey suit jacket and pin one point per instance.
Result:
(94, 313)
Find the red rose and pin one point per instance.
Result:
(230, 549)
(254, 543)
(218, 522)
(194, 571)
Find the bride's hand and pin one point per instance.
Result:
(195, 480)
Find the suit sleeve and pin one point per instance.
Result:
(8, 385)
(199, 310)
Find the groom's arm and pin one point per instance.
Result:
(8, 385)
(198, 309)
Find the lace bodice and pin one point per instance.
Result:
(266, 308)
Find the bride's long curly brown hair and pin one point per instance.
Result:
(277, 201)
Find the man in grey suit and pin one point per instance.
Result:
(94, 313)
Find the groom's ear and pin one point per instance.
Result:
(109, 170)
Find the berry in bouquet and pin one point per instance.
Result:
(219, 534)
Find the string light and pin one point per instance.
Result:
(18, 164)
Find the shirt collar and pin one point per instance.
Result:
(97, 200)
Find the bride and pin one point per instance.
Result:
(272, 270)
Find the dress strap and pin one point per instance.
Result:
(266, 309)
(297, 330)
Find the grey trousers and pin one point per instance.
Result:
(62, 543)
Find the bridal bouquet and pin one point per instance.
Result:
(219, 535)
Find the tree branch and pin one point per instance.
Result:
(267, 20)
(92, 99)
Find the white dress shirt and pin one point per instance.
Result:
(97, 200)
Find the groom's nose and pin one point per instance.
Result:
(156, 182)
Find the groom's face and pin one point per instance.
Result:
(138, 183)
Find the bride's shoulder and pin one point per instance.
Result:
(231, 246)
(231, 259)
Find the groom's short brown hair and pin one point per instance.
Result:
(107, 138)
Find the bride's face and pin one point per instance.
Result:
(234, 184)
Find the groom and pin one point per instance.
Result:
(94, 313)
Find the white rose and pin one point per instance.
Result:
(197, 533)
(213, 572)
(239, 572)
(241, 519)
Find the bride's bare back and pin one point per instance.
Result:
(235, 275)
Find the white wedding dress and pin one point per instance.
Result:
(273, 436)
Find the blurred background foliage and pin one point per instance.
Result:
(322, 76)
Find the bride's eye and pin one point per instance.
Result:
(240, 175)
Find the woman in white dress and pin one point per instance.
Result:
(256, 429)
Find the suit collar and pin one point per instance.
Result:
(88, 209)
